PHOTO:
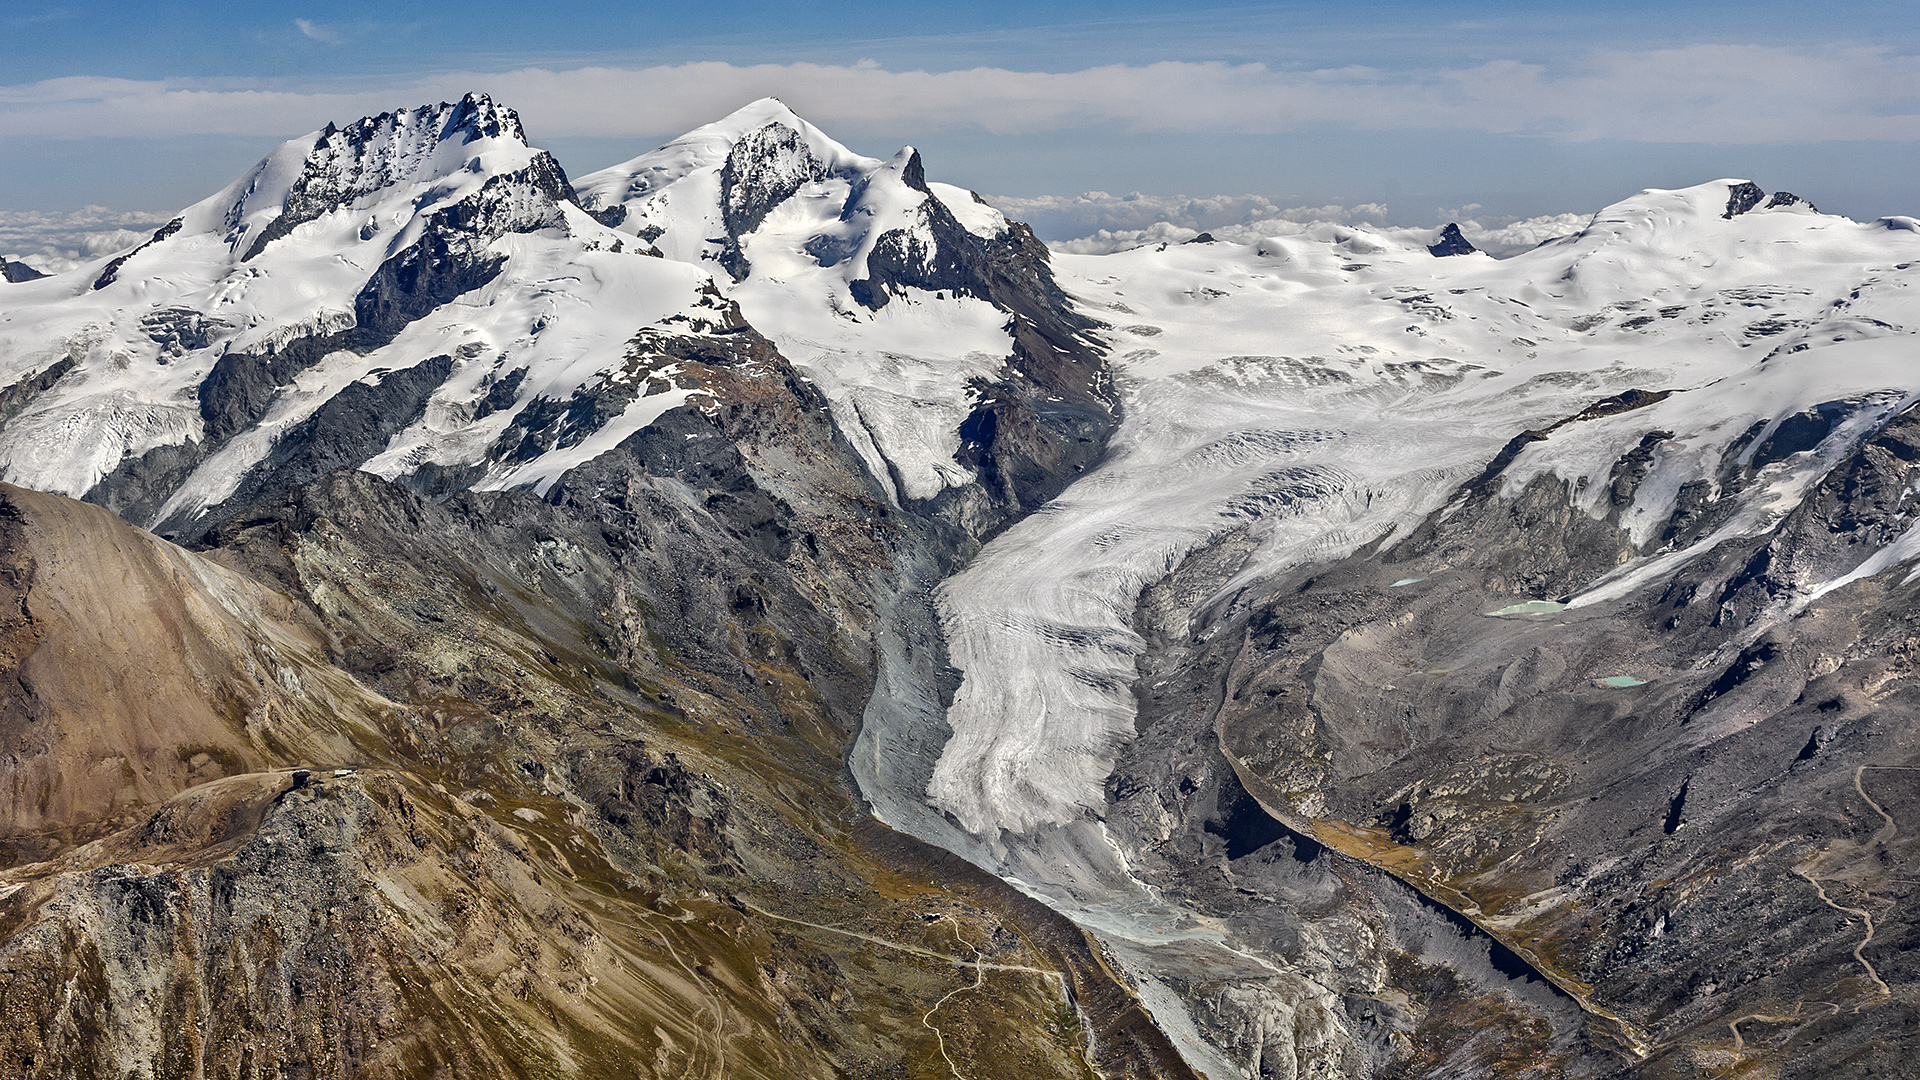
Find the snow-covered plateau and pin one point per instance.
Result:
(426, 297)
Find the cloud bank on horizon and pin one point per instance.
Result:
(1098, 223)
(1800, 97)
(1709, 94)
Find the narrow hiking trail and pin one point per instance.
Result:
(1881, 836)
(979, 979)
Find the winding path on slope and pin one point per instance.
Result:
(1881, 835)
(980, 967)
(914, 949)
(1740, 1042)
(979, 979)
(1886, 832)
(715, 1040)
(1867, 917)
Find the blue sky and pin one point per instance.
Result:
(1427, 109)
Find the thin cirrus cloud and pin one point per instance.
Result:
(317, 32)
(1712, 94)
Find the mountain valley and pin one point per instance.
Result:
(756, 611)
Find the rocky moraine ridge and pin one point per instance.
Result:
(754, 611)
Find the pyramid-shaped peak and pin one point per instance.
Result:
(477, 116)
(906, 164)
(758, 114)
(718, 138)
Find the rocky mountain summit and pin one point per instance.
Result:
(754, 611)
(11, 272)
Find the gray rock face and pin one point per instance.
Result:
(350, 427)
(1451, 242)
(764, 169)
(14, 272)
(1743, 197)
(1033, 432)
(16, 397)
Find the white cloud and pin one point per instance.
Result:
(1512, 237)
(1075, 215)
(53, 242)
(1722, 94)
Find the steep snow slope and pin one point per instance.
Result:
(810, 231)
(1332, 390)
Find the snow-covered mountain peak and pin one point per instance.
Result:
(363, 193)
(427, 157)
(708, 148)
(435, 242)
(906, 164)
(764, 169)
(897, 295)
(1686, 216)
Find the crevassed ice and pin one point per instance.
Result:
(1323, 393)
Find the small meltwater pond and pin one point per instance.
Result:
(1532, 607)
(1621, 681)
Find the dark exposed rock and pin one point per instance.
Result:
(448, 259)
(377, 152)
(140, 485)
(427, 274)
(763, 170)
(1033, 432)
(14, 399)
(179, 331)
(350, 427)
(1483, 486)
(15, 272)
(1743, 197)
(1800, 432)
(501, 394)
(1451, 242)
(112, 272)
